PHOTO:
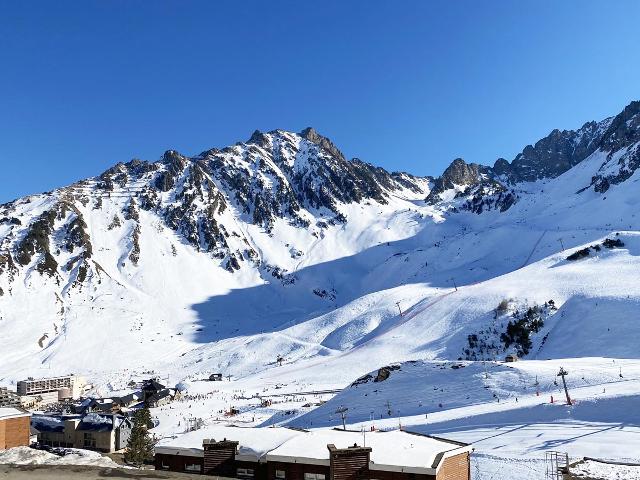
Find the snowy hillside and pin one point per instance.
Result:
(280, 248)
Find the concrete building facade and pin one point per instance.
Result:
(69, 386)
(104, 433)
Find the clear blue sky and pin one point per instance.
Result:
(408, 85)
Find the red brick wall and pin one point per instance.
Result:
(455, 468)
(14, 432)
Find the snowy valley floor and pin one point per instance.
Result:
(504, 410)
(494, 406)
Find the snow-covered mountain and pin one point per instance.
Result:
(281, 247)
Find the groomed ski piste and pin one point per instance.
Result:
(446, 273)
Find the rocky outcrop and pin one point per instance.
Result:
(553, 155)
(622, 142)
(36, 241)
(458, 174)
(548, 158)
(310, 134)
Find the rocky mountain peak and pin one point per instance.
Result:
(624, 129)
(561, 150)
(458, 174)
(310, 134)
(258, 138)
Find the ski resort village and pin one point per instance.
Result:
(274, 311)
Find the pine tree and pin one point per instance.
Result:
(140, 444)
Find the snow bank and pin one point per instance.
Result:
(30, 456)
(605, 471)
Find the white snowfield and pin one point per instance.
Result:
(30, 456)
(597, 470)
(184, 317)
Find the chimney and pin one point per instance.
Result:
(351, 463)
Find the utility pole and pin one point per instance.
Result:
(484, 364)
(563, 373)
(398, 304)
(454, 283)
(343, 413)
(561, 244)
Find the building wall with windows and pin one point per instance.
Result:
(104, 433)
(31, 386)
(174, 461)
(297, 471)
(9, 399)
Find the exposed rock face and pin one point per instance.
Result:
(561, 150)
(621, 141)
(458, 174)
(623, 130)
(300, 179)
(486, 196)
(323, 142)
(552, 155)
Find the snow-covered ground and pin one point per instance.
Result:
(603, 471)
(30, 456)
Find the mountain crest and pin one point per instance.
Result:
(310, 134)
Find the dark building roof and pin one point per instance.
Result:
(101, 423)
(165, 393)
(152, 384)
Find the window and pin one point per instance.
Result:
(89, 440)
(192, 467)
(280, 474)
(244, 473)
(314, 476)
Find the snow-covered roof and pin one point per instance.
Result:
(10, 412)
(47, 423)
(392, 451)
(253, 443)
